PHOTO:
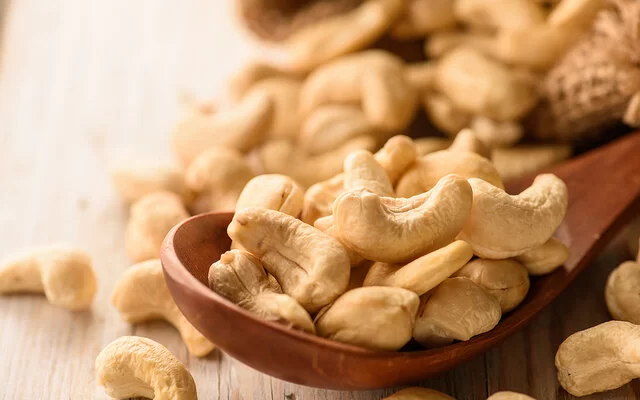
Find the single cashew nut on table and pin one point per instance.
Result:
(136, 180)
(509, 396)
(133, 366)
(310, 266)
(374, 317)
(622, 292)
(600, 358)
(63, 274)
(545, 258)
(503, 226)
(418, 393)
(240, 277)
(142, 295)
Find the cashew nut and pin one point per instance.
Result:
(325, 224)
(421, 76)
(424, 16)
(133, 366)
(444, 114)
(240, 277)
(379, 318)
(545, 258)
(150, 219)
(621, 293)
(440, 43)
(397, 154)
(429, 145)
(503, 226)
(509, 396)
(499, 14)
(272, 191)
(135, 180)
(397, 230)
(574, 14)
(362, 171)
(284, 93)
(466, 140)
(525, 159)
(310, 266)
(597, 359)
(142, 295)
(418, 393)
(496, 133)
(63, 274)
(632, 113)
(251, 74)
(319, 198)
(424, 273)
(457, 309)
(506, 280)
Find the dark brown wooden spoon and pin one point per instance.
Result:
(603, 186)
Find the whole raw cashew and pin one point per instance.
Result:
(418, 393)
(284, 94)
(362, 171)
(397, 154)
(545, 258)
(467, 140)
(133, 366)
(217, 178)
(503, 226)
(423, 17)
(444, 114)
(251, 74)
(272, 191)
(240, 277)
(63, 274)
(479, 85)
(379, 318)
(310, 266)
(525, 159)
(396, 230)
(241, 127)
(319, 198)
(429, 169)
(421, 75)
(574, 14)
(424, 273)
(506, 280)
(325, 224)
(597, 359)
(150, 219)
(621, 293)
(499, 14)
(142, 295)
(509, 396)
(496, 133)
(457, 309)
(135, 180)
(373, 78)
(429, 145)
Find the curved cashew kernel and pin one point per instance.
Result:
(423, 17)
(240, 277)
(424, 273)
(506, 280)
(133, 366)
(503, 226)
(545, 258)
(310, 266)
(63, 274)
(341, 34)
(241, 127)
(134, 181)
(440, 43)
(329, 127)
(496, 133)
(325, 224)
(379, 318)
(621, 292)
(497, 92)
(251, 74)
(284, 94)
(466, 140)
(398, 230)
(445, 115)
(525, 159)
(142, 295)
(362, 171)
(499, 14)
(397, 154)
(429, 169)
(457, 309)
(429, 145)
(272, 191)
(632, 113)
(374, 78)
(421, 75)
(418, 393)
(319, 198)
(150, 219)
(574, 14)
(597, 359)
(217, 177)
(509, 396)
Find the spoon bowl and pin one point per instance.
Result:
(603, 187)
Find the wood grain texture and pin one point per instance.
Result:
(83, 83)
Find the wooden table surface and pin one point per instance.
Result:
(85, 83)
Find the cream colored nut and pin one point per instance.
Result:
(396, 230)
(574, 14)
(632, 113)
(440, 43)
(423, 17)
(429, 145)
(362, 171)
(457, 309)
(272, 191)
(467, 141)
(325, 224)
(526, 159)
(429, 169)
(250, 74)
(379, 318)
(310, 266)
(424, 273)
(545, 258)
(444, 114)
(421, 75)
(503, 226)
(418, 393)
(284, 94)
(621, 293)
(479, 85)
(241, 127)
(63, 274)
(240, 277)
(597, 359)
(142, 295)
(509, 396)
(329, 127)
(506, 280)
(397, 154)
(217, 178)
(133, 366)
(499, 14)
(150, 219)
(373, 78)
(341, 34)
(496, 133)
(319, 198)
(136, 179)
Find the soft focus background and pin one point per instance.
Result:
(86, 83)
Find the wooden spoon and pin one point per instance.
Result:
(603, 186)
